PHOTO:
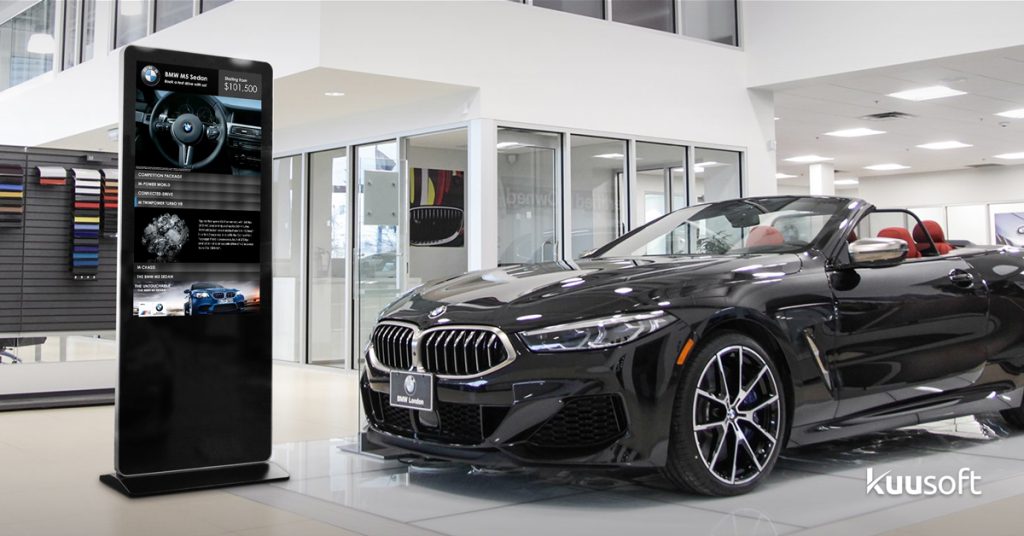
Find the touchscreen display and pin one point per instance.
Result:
(197, 192)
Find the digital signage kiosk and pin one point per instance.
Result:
(194, 279)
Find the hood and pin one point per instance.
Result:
(562, 291)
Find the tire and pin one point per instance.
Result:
(739, 441)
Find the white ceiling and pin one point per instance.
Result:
(993, 80)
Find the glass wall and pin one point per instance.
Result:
(713, 20)
(660, 180)
(27, 44)
(589, 8)
(380, 256)
(653, 14)
(437, 202)
(598, 192)
(289, 253)
(71, 21)
(328, 257)
(171, 12)
(717, 175)
(88, 30)
(529, 168)
(210, 4)
(130, 23)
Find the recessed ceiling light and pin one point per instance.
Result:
(809, 159)
(927, 93)
(334, 94)
(940, 145)
(846, 182)
(609, 155)
(1010, 156)
(854, 132)
(784, 176)
(508, 144)
(776, 118)
(710, 163)
(886, 167)
(1013, 114)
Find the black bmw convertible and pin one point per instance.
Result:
(703, 343)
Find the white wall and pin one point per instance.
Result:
(958, 186)
(521, 58)
(966, 196)
(789, 40)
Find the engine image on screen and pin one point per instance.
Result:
(197, 191)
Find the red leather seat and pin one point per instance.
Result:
(938, 236)
(904, 235)
(763, 235)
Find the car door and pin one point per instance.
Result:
(907, 330)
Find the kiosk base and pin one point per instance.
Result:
(195, 479)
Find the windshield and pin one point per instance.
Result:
(755, 225)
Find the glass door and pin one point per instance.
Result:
(529, 168)
(329, 248)
(381, 233)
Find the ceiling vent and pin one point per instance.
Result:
(978, 166)
(886, 116)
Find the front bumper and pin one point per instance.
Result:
(610, 407)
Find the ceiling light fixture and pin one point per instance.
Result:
(886, 167)
(615, 156)
(1011, 156)
(854, 132)
(334, 94)
(846, 182)
(809, 159)
(1013, 114)
(784, 176)
(927, 93)
(942, 145)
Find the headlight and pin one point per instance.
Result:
(201, 295)
(596, 333)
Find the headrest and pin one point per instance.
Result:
(934, 229)
(763, 235)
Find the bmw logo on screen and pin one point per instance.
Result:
(187, 127)
(150, 75)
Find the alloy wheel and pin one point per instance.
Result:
(736, 415)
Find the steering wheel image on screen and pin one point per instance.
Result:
(195, 124)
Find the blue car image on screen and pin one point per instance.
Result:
(212, 298)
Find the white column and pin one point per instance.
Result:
(482, 195)
(823, 179)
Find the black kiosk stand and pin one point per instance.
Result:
(193, 396)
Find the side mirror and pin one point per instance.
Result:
(877, 252)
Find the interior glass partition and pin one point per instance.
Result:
(381, 256)
(130, 23)
(717, 175)
(289, 281)
(660, 180)
(529, 168)
(713, 20)
(654, 14)
(598, 192)
(329, 247)
(28, 44)
(436, 175)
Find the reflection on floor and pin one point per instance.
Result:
(50, 460)
(820, 489)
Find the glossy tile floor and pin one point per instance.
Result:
(49, 461)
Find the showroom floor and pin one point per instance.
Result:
(49, 461)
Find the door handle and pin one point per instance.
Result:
(961, 278)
